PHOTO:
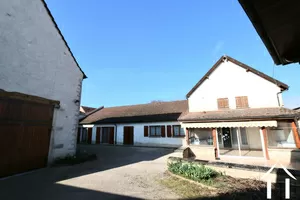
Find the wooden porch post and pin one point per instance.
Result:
(215, 143)
(296, 134)
(187, 136)
(264, 142)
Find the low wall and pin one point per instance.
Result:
(284, 155)
(203, 152)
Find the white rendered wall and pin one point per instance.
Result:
(139, 138)
(34, 60)
(229, 80)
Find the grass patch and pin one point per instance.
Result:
(186, 189)
(221, 186)
(195, 172)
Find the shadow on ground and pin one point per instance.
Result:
(42, 184)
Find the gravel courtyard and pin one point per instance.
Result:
(118, 173)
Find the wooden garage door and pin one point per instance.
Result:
(25, 128)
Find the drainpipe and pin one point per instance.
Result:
(278, 99)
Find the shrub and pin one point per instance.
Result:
(192, 171)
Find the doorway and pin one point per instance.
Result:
(226, 136)
(108, 135)
(128, 135)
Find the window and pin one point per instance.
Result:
(201, 136)
(244, 136)
(155, 131)
(178, 131)
(233, 132)
(281, 136)
(241, 102)
(223, 103)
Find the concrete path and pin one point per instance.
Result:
(118, 173)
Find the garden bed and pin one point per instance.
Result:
(213, 184)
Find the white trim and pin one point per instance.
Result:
(238, 140)
(88, 125)
(230, 124)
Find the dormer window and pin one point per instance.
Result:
(223, 103)
(241, 102)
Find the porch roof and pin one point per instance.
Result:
(230, 124)
(250, 114)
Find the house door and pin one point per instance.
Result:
(98, 130)
(89, 139)
(226, 135)
(105, 135)
(128, 135)
(108, 135)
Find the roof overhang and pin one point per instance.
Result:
(277, 23)
(230, 124)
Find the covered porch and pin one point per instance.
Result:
(257, 140)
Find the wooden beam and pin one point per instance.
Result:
(187, 136)
(296, 134)
(214, 136)
(264, 141)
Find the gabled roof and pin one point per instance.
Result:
(277, 23)
(151, 112)
(86, 109)
(240, 114)
(62, 37)
(280, 84)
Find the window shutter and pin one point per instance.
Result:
(241, 102)
(145, 131)
(245, 102)
(169, 134)
(163, 131)
(238, 101)
(223, 103)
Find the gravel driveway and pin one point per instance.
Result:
(118, 173)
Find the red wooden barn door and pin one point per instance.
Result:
(111, 135)
(89, 140)
(25, 130)
(128, 135)
(98, 132)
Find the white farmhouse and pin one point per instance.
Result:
(36, 67)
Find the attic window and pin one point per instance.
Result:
(223, 103)
(241, 102)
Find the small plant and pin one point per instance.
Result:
(192, 171)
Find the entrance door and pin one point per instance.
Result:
(108, 135)
(128, 135)
(98, 130)
(89, 139)
(105, 135)
(226, 135)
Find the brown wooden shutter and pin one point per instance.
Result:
(163, 131)
(169, 128)
(223, 103)
(241, 102)
(145, 131)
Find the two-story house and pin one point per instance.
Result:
(235, 110)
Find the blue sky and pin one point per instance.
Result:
(136, 51)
